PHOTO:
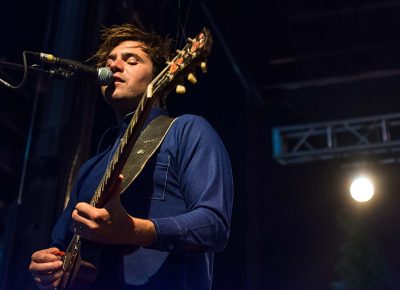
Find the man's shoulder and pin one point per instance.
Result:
(193, 126)
(189, 120)
(89, 163)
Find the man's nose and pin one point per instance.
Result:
(117, 65)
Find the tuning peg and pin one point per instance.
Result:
(192, 78)
(180, 89)
(203, 66)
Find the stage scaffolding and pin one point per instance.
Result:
(377, 135)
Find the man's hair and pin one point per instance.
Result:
(156, 47)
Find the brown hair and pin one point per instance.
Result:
(156, 47)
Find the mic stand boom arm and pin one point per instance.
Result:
(56, 73)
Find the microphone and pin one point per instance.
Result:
(104, 75)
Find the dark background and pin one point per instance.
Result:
(274, 63)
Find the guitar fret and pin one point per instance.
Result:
(141, 104)
(114, 160)
(124, 140)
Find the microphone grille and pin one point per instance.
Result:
(104, 76)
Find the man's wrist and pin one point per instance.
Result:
(144, 232)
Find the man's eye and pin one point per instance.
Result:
(132, 60)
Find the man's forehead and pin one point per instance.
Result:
(128, 45)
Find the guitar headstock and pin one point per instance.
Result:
(183, 65)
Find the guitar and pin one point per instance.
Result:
(80, 274)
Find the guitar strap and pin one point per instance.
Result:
(146, 145)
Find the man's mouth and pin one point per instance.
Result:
(118, 80)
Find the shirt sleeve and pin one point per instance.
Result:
(206, 183)
(63, 231)
(61, 234)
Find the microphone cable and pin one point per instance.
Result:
(24, 78)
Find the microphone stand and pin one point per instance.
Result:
(57, 73)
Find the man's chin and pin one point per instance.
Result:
(109, 92)
(111, 96)
(109, 99)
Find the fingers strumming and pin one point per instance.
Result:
(40, 268)
(48, 279)
(49, 255)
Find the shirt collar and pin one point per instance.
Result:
(113, 132)
(154, 113)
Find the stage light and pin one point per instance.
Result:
(362, 189)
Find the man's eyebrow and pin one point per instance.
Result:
(129, 54)
(126, 54)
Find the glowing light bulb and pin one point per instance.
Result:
(362, 189)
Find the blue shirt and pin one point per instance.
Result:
(186, 189)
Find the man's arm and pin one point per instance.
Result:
(112, 224)
(205, 180)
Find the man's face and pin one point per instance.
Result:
(132, 71)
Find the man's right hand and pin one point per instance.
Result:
(46, 268)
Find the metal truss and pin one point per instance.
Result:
(378, 135)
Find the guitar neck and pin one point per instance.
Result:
(121, 154)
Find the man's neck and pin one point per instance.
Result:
(121, 114)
